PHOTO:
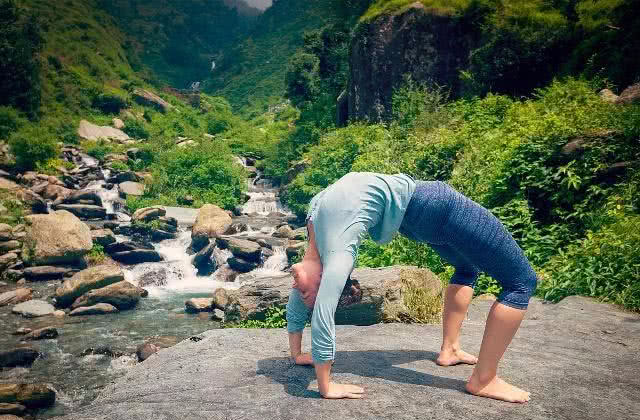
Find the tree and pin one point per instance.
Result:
(21, 41)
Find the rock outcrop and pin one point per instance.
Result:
(144, 97)
(418, 42)
(383, 296)
(85, 281)
(211, 222)
(90, 131)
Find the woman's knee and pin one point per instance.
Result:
(517, 293)
(466, 276)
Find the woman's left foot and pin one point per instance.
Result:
(455, 357)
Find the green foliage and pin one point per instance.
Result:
(21, 40)
(136, 129)
(98, 149)
(274, 317)
(32, 146)
(119, 166)
(10, 121)
(15, 209)
(52, 166)
(109, 103)
(302, 79)
(96, 256)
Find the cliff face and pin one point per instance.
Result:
(430, 48)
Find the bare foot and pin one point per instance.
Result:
(455, 357)
(498, 389)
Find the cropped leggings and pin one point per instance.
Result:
(470, 238)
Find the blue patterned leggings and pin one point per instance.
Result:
(470, 238)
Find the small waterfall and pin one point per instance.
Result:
(274, 265)
(111, 199)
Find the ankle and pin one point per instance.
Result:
(450, 347)
(481, 378)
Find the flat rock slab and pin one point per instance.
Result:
(579, 359)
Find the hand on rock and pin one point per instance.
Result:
(337, 391)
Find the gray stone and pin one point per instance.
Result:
(29, 395)
(46, 333)
(87, 280)
(89, 131)
(123, 295)
(59, 237)
(135, 189)
(84, 211)
(6, 232)
(241, 265)
(560, 354)
(103, 237)
(150, 347)
(45, 272)
(18, 357)
(117, 123)
(211, 222)
(144, 97)
(7, 260)
(14, 297)
(148, 214)
(84, 195)
(137, 256)
(203, 260)
(283, 232)
(98, 309)
(194, 305)
(241, 248)
(33, 308)
(630, 95)
(155, 277)
(8, 246)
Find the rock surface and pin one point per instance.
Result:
(89, 131)
(87, 280)
(123, 295)
(211, 222)
(144, 97)
(579, 359)
(33, 308)
(59, 237)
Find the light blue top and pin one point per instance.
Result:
(342, 214)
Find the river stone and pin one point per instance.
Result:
(98, 309)
(45, 272)
(155, 277)
(6, 232)
(14, 297)
(241, 265)
(55, 192)
(295, 248)
(128, 188)
(226, 274)
(117, 123)
(194, 305)
(204, 261)
(46, 333)
(33, 308)
(29, 395)
(211, 222)
(84, 195)
(220, 298)
(154, 345)
(90, 131)
(84, 211)
(137, 256)
(242, 248)
(123, 295)
(126, 246)
(148, 214)
(383, 295)
(23, 357)
(8, 246)
(608, 96)
(59, 237)
(283, 232)
(630, 95)
(7, 260)
(7, 411)
(147, 98)
(103, 237)
(126, 176)
(87, 280)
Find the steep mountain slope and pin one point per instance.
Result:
(179, 40)
(254, 69)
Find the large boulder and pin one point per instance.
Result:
(84, 211)
(33, 201)
(211, 222)
(59, 237)
(103, 237)
(195, 305)
(33, 308)
(46, 272)
(144, 97)
(123, 295)
(128, 188)
(29, 395)
(398, 293)
(630, 95)
(242, 248)
(89, 131)
(148, 214)
(99, 309)
(87, 280)
(14, 297)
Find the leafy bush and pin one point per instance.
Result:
(274, 317)
(32, 146)
(119, 166)
(10, 121)
(99, 150)
(109, 103)
(135, 129)
(96, 256)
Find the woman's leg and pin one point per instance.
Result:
(456, 302)
(480, 238)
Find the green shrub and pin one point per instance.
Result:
(32, 146)
(96, 256)
(274, 317)
(10, 121)
(135, 129)
(217, 124)
(99, 150)
(109, 103)
(119, 166)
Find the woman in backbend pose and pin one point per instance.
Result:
(461, 231)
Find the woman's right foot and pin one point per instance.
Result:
(497, 389)
(455, 357)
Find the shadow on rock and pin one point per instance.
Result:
(367, 364)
